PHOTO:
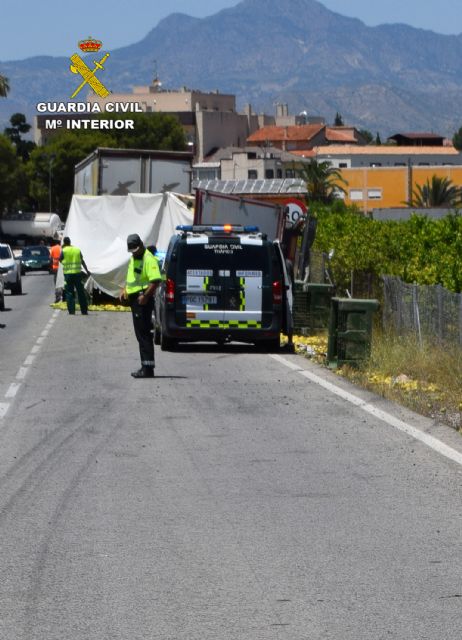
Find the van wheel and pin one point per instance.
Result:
(166, 344)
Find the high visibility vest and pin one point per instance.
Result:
(55, 253)
(72, 260)
(141, 272)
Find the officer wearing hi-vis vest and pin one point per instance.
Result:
(143, 278)
(72, 261)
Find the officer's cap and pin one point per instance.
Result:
(133, 241)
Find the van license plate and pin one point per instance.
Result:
(197, 300)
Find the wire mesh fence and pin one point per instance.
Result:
(429, 312)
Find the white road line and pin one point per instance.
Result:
(4, 406)
(421, 436)
(12, 390)
(22, 373)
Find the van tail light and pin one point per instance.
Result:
(170, 290)
(277, 292)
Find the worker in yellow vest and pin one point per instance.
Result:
(143, 278)
(72, 261)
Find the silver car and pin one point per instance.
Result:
(11, 270)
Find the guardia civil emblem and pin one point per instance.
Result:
(78, 66)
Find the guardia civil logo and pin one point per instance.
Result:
(87, 77)
(79, 67)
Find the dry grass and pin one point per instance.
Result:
(426, 379)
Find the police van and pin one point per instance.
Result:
(222, 283)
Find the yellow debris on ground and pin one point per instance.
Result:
(92, 307)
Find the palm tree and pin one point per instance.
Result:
(4, 86)
(440, 193)
(322, 181)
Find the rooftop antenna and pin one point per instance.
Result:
(156, 82)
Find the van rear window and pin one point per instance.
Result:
(225, 255)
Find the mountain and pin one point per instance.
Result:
(388, 78)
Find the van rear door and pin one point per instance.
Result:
(200, 289)
(247, 286)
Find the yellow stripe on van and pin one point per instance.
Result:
(223, 324)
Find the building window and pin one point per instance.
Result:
(400, 164)
(251, 155)
(375, 164)
(269, 174)
(356, 194)
(279, 173)
(424, 164)
(343, 165)
(290, 173)
(374, 194)
(252, 174)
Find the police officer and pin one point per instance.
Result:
(72, 261)
(143, 278)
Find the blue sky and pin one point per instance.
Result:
(52, 27)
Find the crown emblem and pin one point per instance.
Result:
(90, 45)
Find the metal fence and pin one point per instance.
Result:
(430, 312)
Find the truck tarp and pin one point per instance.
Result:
(99, 226)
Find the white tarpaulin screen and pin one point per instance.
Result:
(99, 226)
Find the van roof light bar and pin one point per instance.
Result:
(217, 228)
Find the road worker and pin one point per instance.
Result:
(55, 254)
(72, 261)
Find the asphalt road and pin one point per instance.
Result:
(230, 498)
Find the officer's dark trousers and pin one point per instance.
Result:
(142, 323)
(74, 281)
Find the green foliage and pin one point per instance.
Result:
(419, 250)
(367, 135)
(18, 127)
(457, 140)
(323, 181)
(10, 174)
(440, 192)
(60, 156)
(152, 131)
(378, 140)
(338, 122)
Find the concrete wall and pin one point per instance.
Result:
(216, 129)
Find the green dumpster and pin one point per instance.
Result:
(299, 307)
(319, 301)
(311, 306)
(350, 331)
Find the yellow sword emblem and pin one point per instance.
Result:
(88, 75)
